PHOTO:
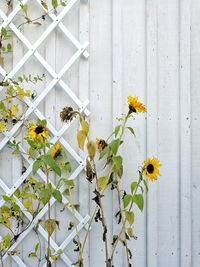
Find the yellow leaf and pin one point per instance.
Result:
(91, 147)
(14, 109)
(130, 217)
(2, 127)
(81, 137)
(102, 182)
(7, 223)
(44, 5)
(85, 125)
(50, 226)
(28, 204)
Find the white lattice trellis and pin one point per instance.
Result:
(33, 108)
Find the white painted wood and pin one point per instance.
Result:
(185, 137)
(195, 131)
(117, 61)
(152, 127)
(168, 133)
(100, 104)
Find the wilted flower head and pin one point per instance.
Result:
(101, 144)
(67, 114)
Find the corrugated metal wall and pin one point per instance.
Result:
(148, 48)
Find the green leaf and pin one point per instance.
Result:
(139, 201)
(24, 7)
(118, 167)
(54, 3)
(133, 186)
(67, 167)
(117, 129)
(130, 217)
(32, 255)
(48, 159)
(69, 182)
(146, 185)
(3, 31)
(104, 152)
(45, 195)
(57, 195)
(36, 165)
(50, 226)
(114, 145)
(37, 246)
(2, 106)
(42, 122)
(102, 182)
(127, 200)
(27, 204)
(131, 130)
(6, 198)
(9, 47)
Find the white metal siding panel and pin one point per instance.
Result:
(149, 48)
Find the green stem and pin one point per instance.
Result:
(88, 230)
(77, 234)
(49, 215)
(110, 172)
(125, 220)
(103, 218)
(123, 228)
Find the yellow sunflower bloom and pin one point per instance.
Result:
(56, 151)
(135, 105)
(38, 132)
(151, 168)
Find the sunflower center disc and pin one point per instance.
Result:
(39, 129)
(150, 168)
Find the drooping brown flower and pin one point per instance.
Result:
(68, 114)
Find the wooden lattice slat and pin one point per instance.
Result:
(33, 108)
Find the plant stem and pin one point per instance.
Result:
(124, 221)
(88, 230)
(49, 216)
(77, 234)
(95, 210)
(103, 217)
(123, 224)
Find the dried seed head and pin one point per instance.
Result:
(67, 114)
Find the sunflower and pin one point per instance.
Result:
(151, 168)
(38, 132)
(56, 151)
(135, 105)
(101, 144)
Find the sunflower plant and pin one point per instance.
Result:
(108, 151)
(34, 194)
